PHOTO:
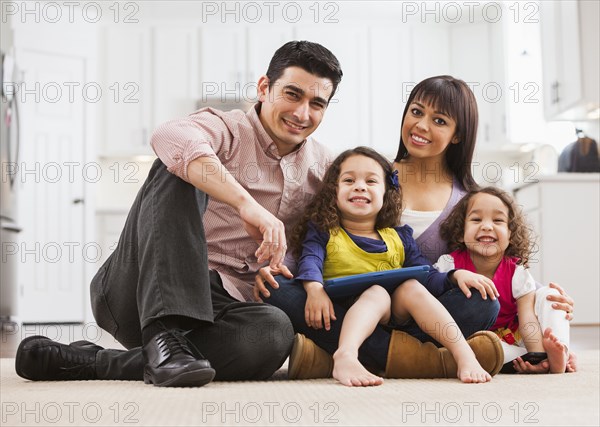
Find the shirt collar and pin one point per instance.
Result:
(264, 139)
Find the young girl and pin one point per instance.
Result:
(348, 229)
(489, 236)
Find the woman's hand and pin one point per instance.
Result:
(562, 302)
(267, 274)
(527, 368)
(543, 367)
(466, 279)
(318, 311)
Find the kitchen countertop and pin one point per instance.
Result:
(560, 177)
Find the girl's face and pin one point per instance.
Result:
(427, 133)
(486, 227)
(360, 188)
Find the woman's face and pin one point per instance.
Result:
(427, 133)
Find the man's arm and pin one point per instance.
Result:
(183, 146)
(210, 176)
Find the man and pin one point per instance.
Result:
(185, 264)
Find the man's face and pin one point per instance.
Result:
(293, 107)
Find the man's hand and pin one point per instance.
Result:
(466, 279)
(318, 311)
(266, 274)
(562, 302)
(267, 231)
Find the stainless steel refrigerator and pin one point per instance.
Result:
(9, 163)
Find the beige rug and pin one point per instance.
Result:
(570, 399)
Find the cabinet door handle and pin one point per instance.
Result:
(554, 93)
(77, 201)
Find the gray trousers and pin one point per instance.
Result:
(160, 268)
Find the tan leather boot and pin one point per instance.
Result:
(410, 358)
(308, 360)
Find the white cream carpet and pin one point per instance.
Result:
(544, 400)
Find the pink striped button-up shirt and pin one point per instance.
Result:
(282, 185)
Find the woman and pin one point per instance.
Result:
(438, 134)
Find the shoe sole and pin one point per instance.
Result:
(499, 352)
(197, 378)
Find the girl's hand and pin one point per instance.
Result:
(319, 308)
(466, 279)
(562, 302)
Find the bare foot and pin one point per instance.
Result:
(557, 353)
(348, 370)
(470, 371)
(572, 362)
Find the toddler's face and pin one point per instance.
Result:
(486, 227)
(361, 187)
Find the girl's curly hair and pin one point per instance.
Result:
(323, 210)
(521, 241)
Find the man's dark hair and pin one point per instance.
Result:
(311, 57)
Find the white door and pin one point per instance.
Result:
(51, 248)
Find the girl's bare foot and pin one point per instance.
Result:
(348, 370)
(557, 352)
(472, 373)
(469, 369)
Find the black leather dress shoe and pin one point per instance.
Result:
(173, 361)
(41, 359)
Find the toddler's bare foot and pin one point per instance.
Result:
(348, 370)
(572, 362)
(557, 353)
(472, 372)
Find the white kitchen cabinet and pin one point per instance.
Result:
(570, 55)
(483, 76)
(563, 210)
(389, 86)
(175, 73)
(127, 101)
(152, 77)
(222, 57)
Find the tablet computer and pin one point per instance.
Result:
(348, 286)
